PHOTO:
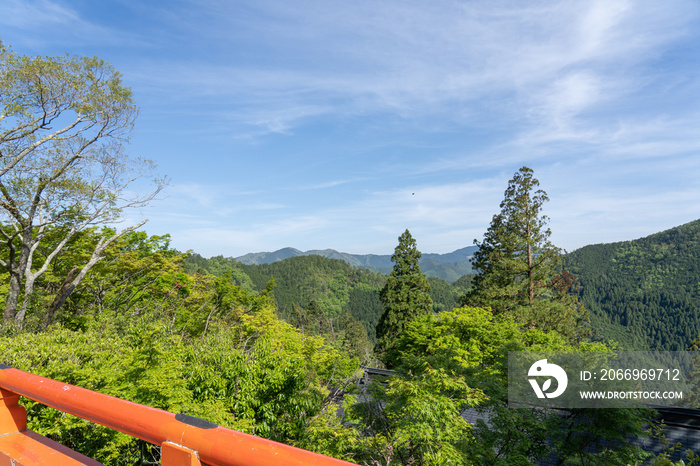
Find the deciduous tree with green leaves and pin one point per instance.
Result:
(472, 345)
(257, 375)
(405, 296)
(63, 122)
(519, 269)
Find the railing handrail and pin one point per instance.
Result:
(216, 445)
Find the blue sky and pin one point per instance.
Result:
(333, 124)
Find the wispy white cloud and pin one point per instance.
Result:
(57, 23)
(213, 239)
(606, 214)
(538, 65)
(434, 213)
(37, 14)
(329, 184)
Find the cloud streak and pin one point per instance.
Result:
(540, 68)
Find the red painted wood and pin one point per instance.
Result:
(216, 447)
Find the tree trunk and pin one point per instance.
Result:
(70, 283)
(530, 272)
(60, 299)
(12, 297)
(530, 278)
(28, 289)
(17, 272)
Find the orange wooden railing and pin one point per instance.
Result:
(185, 440)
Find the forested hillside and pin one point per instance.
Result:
(645, 293)
(321, 294)
(450, 267)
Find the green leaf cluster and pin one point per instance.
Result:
(262, 377)
(472, 344)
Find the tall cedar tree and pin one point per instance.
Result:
(404, 296)
(520, 270)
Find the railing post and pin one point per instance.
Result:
(13, 417)
(176, 455)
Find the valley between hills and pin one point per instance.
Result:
(642, 293)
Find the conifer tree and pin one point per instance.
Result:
(404, 296)
(519, 269)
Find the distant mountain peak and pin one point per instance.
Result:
(449, 266)
(269, 257)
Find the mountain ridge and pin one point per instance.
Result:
(449, 266)
(267, 257)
